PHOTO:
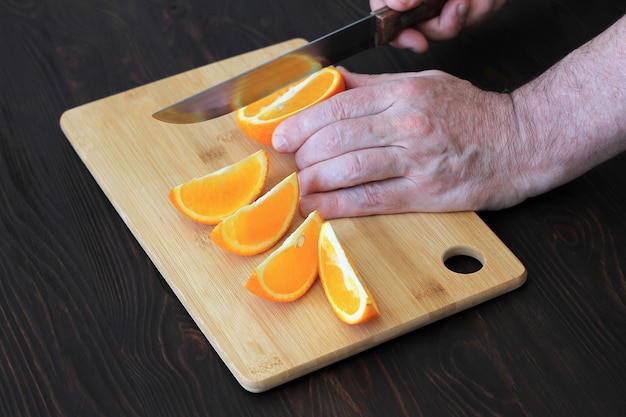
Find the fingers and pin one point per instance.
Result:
(380, 197)
(391, 196)
(353, 103)
(454, 17)
(338, 139)
(399, 5)
(354, 168)
(354, 80)
(402, 143)
(449, 23)
(411, 39)
(298, 130)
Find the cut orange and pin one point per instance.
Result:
(259, 119)
(211, 198)
(293, 66)
(258, 226)
(288, 272)
(347, 294)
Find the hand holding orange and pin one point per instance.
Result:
(259, 119)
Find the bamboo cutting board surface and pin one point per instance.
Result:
(136, 160)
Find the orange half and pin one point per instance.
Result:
(288, 272)
(211, 198)
(259, 119)
(258, 226)
(347, 294)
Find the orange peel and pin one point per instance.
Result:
(288, 272)
(258, 226)
(211, 198)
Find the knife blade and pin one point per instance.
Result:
(377, 29)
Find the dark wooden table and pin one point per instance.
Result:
(88, 327)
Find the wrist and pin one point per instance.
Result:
(534, 143)
(573, 117)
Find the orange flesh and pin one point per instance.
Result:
(337, 283)
(217, 195)
(256, 227)
(259, 119)
(297, 102)
(288, 273)
(255, 108)
(265, 221)
(226, 186)
(345, 290)
(278, 275)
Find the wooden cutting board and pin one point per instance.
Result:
(137, 159)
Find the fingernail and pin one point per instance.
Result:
(280, 143)
(461, 11)
(306, 206)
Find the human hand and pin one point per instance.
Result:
(429, 141)
(419, 142)
(455, 16)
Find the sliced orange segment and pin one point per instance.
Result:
(293, 66)
(211, 198)
(288, 272)
(259, 119)
(258, 226)
(347, 294)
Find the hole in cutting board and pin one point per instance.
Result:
(463, 259)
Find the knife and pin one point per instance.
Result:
(377, 29)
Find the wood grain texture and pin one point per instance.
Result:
(88, 327)
(137, 160)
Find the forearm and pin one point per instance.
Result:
(573, 117)
(429, 141)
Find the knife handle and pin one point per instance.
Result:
(389, 22)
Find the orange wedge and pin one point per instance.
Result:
(211, 198)
(288, 272)
(259, 119)
(347, 294)
(293, 66)
(258, 226)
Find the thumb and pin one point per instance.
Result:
(399, 5)
(355, 80)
